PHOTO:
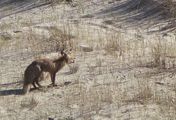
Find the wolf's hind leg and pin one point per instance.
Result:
(37, 82)
(33, 83)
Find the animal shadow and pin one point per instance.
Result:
(11, 92)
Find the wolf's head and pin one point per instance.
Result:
(68, 57)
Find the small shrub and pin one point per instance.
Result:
(29, 103)
(114, 45)
(170, 6)
(73, 69)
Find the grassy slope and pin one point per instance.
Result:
(129, 74)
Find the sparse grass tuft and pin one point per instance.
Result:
(74, 68)
(163, 53)
(55, 2)
(143, 97)
(29, 103)
(60, 38)
(158, 55)
(4, 37)
(55, 41)
(114, 45)
(170, 6)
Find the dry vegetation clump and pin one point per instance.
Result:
(163, 53)
(167, 101)
(170, 6)
(89, 102)
(73, 69)
(54, 40)
(62, 39)
(4, 37)
(158, 52)
(4, 26)
(55, 2)
(29, 103)
(59, 1)
(143, 97)
(114, 45)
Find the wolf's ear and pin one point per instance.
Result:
(63, 53)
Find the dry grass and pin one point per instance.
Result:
(89, 95)
(163, 53)
(4, 39)
(74, 69)
(143, 97)
(55, 2)
(4, 26)
(166, 101)
(114, 45)
(54, 40)
(61, 38)
(170, 6)
(29, 103)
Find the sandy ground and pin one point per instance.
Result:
(118, 80)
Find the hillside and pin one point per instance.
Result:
(125, 59)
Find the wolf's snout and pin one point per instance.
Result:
(73, 61)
